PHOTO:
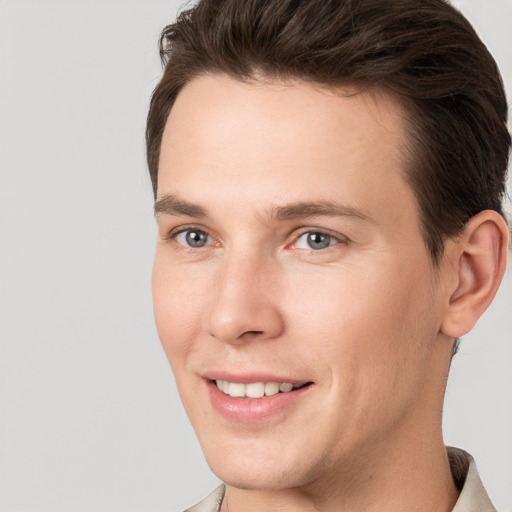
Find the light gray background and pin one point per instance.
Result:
(89, 417)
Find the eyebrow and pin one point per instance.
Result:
(172, 205)
(303, 210)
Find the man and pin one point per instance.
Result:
(328, 180)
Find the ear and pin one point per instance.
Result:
(477, 262)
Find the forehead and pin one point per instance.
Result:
(287, 112)
(278, 142)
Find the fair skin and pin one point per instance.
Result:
(289, 251)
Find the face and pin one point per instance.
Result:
(293, 293)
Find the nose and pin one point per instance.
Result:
(245, 304)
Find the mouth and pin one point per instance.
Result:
(252, 398)
(257, 389)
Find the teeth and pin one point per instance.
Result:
(271, 388)
(254, 389)
(236, 390)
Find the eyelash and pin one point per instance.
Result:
(296, 237)
(312, 231)
(173, 235)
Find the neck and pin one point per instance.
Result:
(418, 479)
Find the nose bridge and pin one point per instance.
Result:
(242, 306)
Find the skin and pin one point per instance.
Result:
(367, 319)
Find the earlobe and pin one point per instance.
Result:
(479, 260)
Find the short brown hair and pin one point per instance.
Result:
(424, 52)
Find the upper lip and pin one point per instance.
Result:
(249, 377)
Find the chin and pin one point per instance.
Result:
(250, 478)
(262, 469)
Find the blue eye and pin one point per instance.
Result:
(193, 238)
(315, 240)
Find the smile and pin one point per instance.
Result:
(249, 402)
(255, 389)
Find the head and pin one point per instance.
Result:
(426, 55)
(326, 176)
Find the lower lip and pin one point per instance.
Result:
(248, 410)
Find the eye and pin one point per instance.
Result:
(193, 238)
(315, 240)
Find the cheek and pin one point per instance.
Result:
(177, 306)
(370, 328)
